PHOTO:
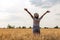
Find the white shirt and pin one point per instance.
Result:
(36, 22)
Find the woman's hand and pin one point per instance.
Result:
(25, 9)
(47, 11)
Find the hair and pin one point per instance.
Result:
(36, 15)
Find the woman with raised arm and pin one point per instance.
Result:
(36, 21)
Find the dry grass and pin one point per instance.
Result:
(26, 34)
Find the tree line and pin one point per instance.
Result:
(24, 27)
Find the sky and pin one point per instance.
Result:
(12, 12)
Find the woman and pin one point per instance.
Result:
(36, 21)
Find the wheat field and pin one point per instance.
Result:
(26, 34)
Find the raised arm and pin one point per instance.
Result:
(28, 12)
(44, 14)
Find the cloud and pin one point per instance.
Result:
(12, 6)
(11, 11)
(44, 3)
(14, 18)
(58, 14)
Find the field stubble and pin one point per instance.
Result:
(26, 34)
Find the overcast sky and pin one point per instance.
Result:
(12, 12)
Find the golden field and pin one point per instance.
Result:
(26, 34)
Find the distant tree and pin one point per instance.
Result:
(19, 27)
(30, 27)
(45, 27)
(56, 27)
(9, 26)
(24, 27)
(13, 26)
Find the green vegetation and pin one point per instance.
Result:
(24, 27)
(9, 26)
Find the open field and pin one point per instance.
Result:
(26, 34)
